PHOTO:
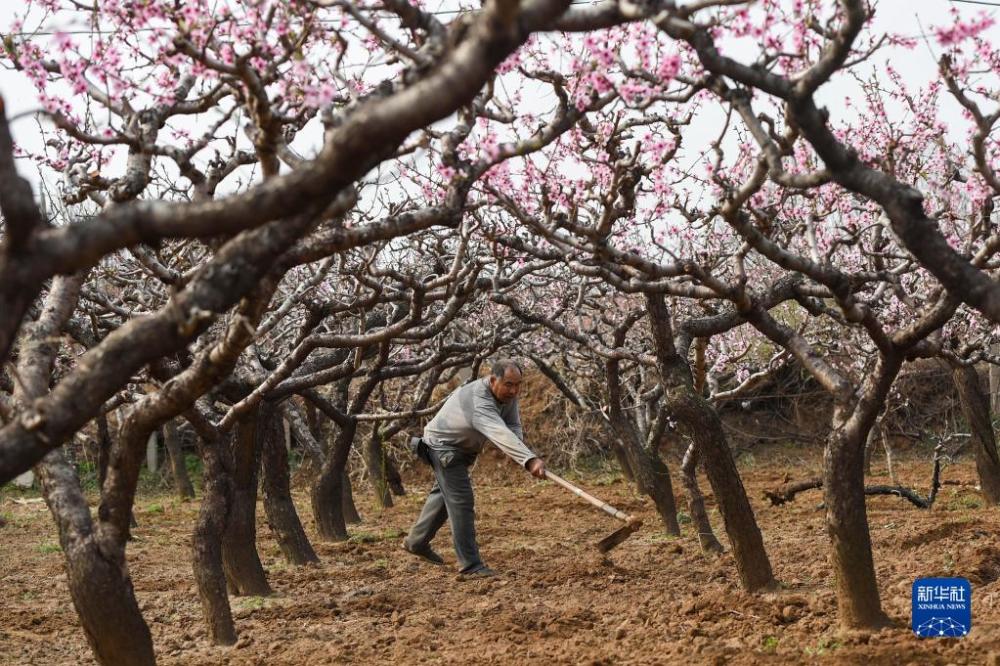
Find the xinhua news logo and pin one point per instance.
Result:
(942, 607)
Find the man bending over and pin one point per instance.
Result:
(483, 410)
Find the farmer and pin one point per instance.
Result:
(484, 409)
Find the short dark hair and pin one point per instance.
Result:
(502, 365)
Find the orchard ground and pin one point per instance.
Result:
(654, 600)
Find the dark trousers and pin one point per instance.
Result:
(450, 499)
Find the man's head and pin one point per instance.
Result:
(505, 379)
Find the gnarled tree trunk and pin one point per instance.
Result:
(651, 474)
(858, 599)
(375, 461)
(699, 420)
(696, 502)
(702, 424)
(858, 602)
(241, 562)
(278, 504)
(994, 379)
(393, 477)
(172, 442)
(206, 542)
(103, 449)
(976, 410)
(328, 491)
(350, 509)
(622, 457)
(871, 443)
(97, 574)
(653, 478)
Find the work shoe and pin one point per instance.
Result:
(478, 574)
(423, 552)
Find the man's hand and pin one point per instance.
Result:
(536, 466)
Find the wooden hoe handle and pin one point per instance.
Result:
(604, 506)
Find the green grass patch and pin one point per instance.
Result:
(364, 537)
(823, 646)
(949, 562)
(965, 501)
(156, 507)
(769, 644)
(250, 603)
(87, 471)
(746, 460)
(375, 537)
(12, 492)
(49, 548)
(194, 469)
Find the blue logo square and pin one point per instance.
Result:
(942, 607)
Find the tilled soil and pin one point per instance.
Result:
(654, 600)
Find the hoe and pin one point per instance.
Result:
(618, 536)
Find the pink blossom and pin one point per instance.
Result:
(961, 31)
(669, 67)
(63, 40)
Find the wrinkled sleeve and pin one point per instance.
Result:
(486, 420)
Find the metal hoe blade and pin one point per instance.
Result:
(617, 537)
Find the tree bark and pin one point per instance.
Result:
(871, 443)
(653, 478)
(393, 477)
(152, 453)
(651, 474)
(103, 449)
(375, 460)
(244, 571)
(278, 504)
(622, 457)
(96, 570)
(172, 442)
(788, 492)
(858, 599)
(994, 383)
(97, 574)
(703, 425)
(351, 514)
(328, 488)
(332, 498)
(302, 433)
(206, 542)
(696, 502)
(313, 420)
(858, 602)
(699, 420)
(976, 410)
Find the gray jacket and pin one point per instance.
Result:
(471, 416)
